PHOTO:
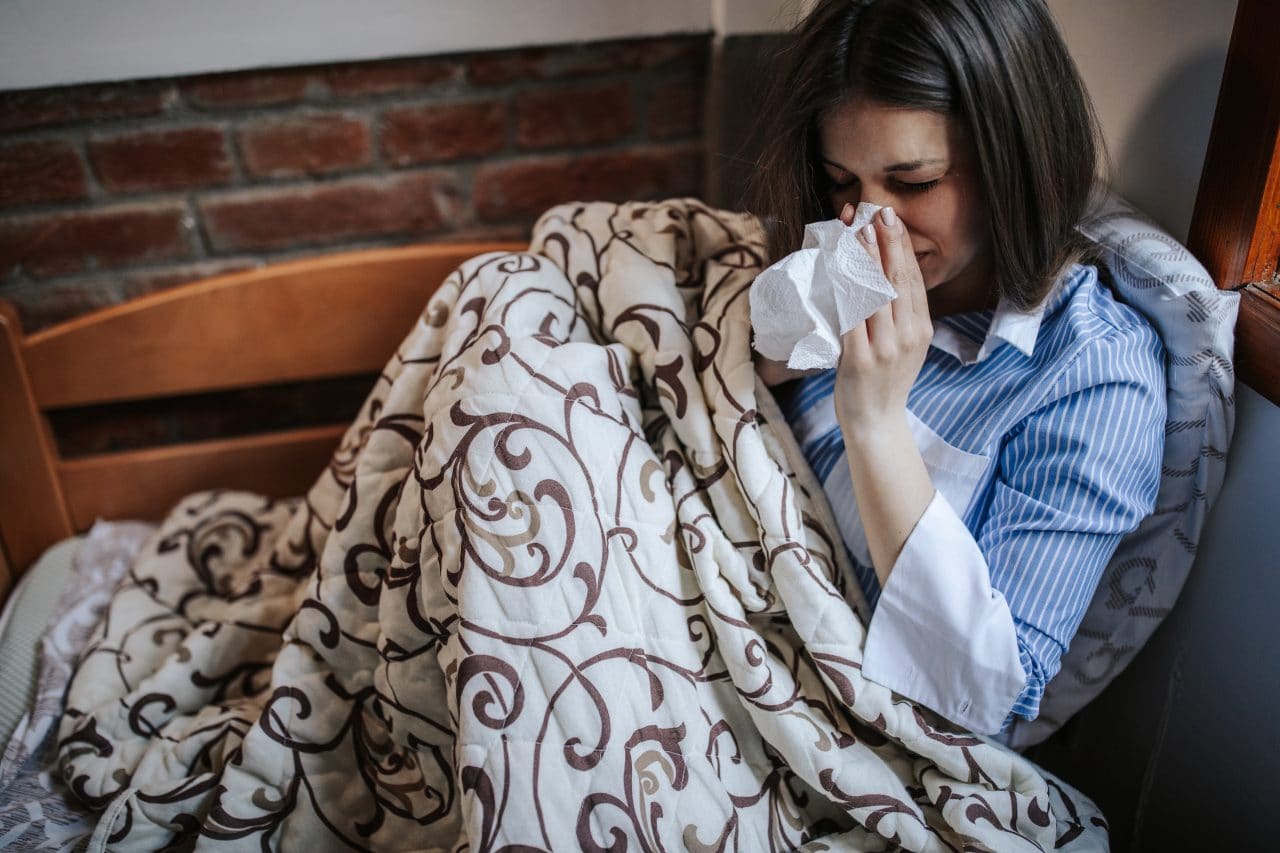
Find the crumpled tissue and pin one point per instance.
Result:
(803, 304)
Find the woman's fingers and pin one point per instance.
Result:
(904, 322)
(846, 214)
(900, 264)
(855, 348)
(891, 244)
(882, 332)
(881, 357)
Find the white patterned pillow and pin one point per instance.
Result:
(1153, 274)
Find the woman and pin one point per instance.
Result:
(990, 435)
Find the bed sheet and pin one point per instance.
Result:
(36, 810)
(26, 615)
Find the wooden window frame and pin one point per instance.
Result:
(1235, 230)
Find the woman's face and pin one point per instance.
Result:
(918, 163)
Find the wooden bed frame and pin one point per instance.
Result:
(332, 316)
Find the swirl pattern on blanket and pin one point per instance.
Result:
(566, 584)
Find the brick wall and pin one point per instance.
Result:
(110, 191)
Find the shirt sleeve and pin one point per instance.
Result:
(973, 624)
(941, 635)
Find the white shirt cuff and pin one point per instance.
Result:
(940, 634)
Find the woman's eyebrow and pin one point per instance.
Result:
(909, 166)
(915, 164)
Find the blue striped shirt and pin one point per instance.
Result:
(1063, 408)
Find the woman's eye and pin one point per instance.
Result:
(922, 187)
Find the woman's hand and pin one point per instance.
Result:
(881, 358)
(879, 362)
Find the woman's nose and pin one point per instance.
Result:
(879, 196)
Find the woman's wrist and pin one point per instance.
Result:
(868, 431)
(890, 483)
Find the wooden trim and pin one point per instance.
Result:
(147, 483)
(7, 575)
(1235, 230)
(1258, 340)
(32, 512)
(342, 314)
(1263, 260)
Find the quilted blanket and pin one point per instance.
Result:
(566, 584)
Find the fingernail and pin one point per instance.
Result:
(869, 233)
(847, 210)
(888, 217)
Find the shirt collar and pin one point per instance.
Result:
(1009, 325)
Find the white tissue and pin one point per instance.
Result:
(803, 304)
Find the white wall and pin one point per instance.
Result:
(58, 42)
(745, 17)
(1153, 68)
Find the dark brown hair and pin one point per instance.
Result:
(998, 67)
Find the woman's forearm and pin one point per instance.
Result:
(891, 484)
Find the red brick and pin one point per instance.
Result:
(329, 213)
(115, 427)
(526, 188)
(690, 52)
(248, 88)
(161, 160)
(440, 132)
(223, 414)
(508, 66)
(304, 145)
(49, 303)
(34, 172)
(46, 107)
(675, 109)
(506, 232)
(501, 68)
(63, 243)
(573, 115)
(396, 75)
(140, 283)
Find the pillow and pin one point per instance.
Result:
(1149, 271)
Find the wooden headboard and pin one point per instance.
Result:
(332, 316)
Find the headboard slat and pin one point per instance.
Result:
(145, 484)
(309, 319)
(32, 511)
